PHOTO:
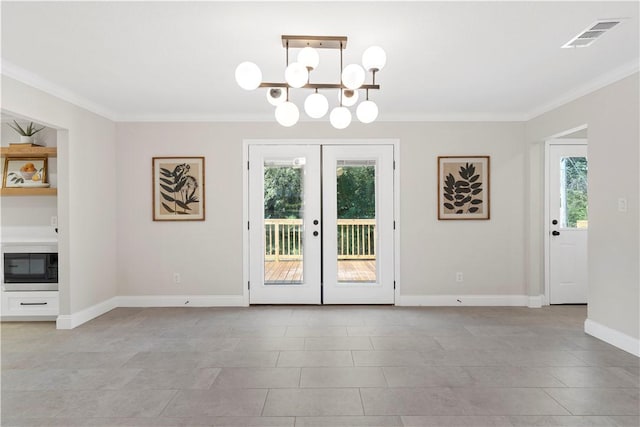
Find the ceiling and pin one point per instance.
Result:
(446, 60)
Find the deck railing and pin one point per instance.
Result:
(283, 239)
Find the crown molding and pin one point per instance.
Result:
(34, 80)
(408, 117)
(598, 83)
(29, 78)
(453, 117)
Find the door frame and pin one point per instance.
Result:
(357, 141)
(555, 140)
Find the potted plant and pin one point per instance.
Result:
(26, 134)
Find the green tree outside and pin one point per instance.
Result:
(576, 186)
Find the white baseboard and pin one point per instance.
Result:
(181, 301)
(463, 300)
(535, 301)
(76, 319)
(613, 337)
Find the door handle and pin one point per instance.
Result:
(315, 233)
(555, 233)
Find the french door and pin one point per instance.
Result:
(568, 228)
(321, 224)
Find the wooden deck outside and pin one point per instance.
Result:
(348, 271)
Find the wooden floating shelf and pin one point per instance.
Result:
(23, 191)
(17, 151)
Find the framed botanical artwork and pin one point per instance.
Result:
(178, 188)
(463, 187)
(25, 172)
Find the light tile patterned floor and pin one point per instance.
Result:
(318, 366)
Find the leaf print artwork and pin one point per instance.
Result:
(461, 193)
(178, 188)
(463, 183)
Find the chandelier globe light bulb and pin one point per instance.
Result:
(316, 105)
(287, 114)
(367, 111)
(340, 117)
(296, 75)
(349, 97)
(309, 57)
(374, 58)
(353, 76)
(248, 75)
(276, 95)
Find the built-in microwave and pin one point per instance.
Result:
(30, 271)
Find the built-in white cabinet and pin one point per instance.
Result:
(23, 299)
(31, 303)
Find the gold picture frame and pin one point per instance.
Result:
(464, 187)
(178, 188)
(24, 172)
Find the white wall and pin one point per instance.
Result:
(612, 115)
(86, 193)
(209, 254)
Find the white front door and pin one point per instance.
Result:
(568, 227)
(321, 224)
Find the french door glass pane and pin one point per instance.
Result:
(283, 221)
(573, 192)
(356, 214)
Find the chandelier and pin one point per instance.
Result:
(298, 75)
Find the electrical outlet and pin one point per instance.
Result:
(622, 204)
(54, 221)
(177, 278)
(459, 277)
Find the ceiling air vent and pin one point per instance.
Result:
(592, 33)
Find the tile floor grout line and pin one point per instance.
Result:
(171, 399)
(386, 381)
(556, 400)
(264, 403)
(361, 401)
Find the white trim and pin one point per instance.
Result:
(546, 229)
(29, 319)
(34, 80)
(245, 220)
(594, 85)
(181, 301)
(568, 132)
(454, 117)
(613, 337)
(536, 301)
(387, 117)
(320, 141)
(76, 319)
(396, 218)
(464, 300)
